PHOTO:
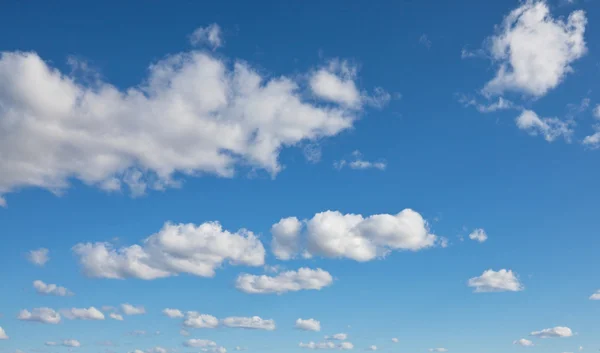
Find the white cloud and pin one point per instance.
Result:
(289, 281)
(559, 331)
(184, 332)
(358, 163)
(176, 248)
(534, 50)
(194, 115)
(196, 320)
(500, 104)
(478, 235)
(308, 325)
(596, 111)
(43, 315)
(372, 348)
(337, 336)
(210, 35)
(549, 128)
(593, 140)
(438, 350)
(523, 342)
(326, 345)
(129, 309)
(116, 316)
(172, 313)
(157, 349)
(3, 335)
(90, 313)
(285, 238)
(51, 289)
(214, 350)
(395, 340)
(199, 343)
(71, 343)
(595, 296)
(335, 83)
(496, 281)
(238, 348)
(333, 234)
(254, 322)
(37, 257)
(425, 41)
(51, 343)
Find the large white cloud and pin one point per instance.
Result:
(333, 234)
(197, 320)
(90, 313)
(535, 51)
(129, 309)
(37, 257)
(496, 281)
(549, 128)
(44, 315)
(289, 281)
(308, 324)
(254, 322)
(195, 114)
(51, 289)
(176, 248)
(3, 335)
(558, 331)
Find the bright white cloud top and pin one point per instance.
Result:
(289, 281)
(555, 332)
(308, 325)
(496, 281)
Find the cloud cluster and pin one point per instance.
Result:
(289, 281)
(175, 249)
(558, 331)
(496, 281)
(51, 289)
(195, 114)
(308, 325)
(336, 235)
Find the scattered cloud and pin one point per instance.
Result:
(549, 128)
(129, 309)
(199, 343)
(595, 296)
(308, 325)
(500, 104)
(3, 335)
(176, 248)
(523, 342)
(289, 281)
(496, 281)
(43, 315)
(37, 257)
(336, 235)
(326, 345)
(535, 51)
(335, 83)
(254, 322)
(372, 348)
(195, 319)
(358, 163)
(337, 336)
(592, 141)
(116, 316)
(157, 349)
(210, 35)
(395, 340)
(90, 313)
(559, 331)
(442, 350)
(172, 313)
(138, 333)
(478, 235)
(425, 41)
(596, 111)
(71, 343)
(51, 289)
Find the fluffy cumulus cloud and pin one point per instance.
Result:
(51, 289)
(172, 313)
(337, 336)
(478, 235)
(549, 128)
(326, 345)
(195, 319)
(195, 114)
(592, 141)
(90, 313)
(3, 335)
(595, 296)
(254, 322)
(285, 238)
(37, 257)
(176, 248)
(523, 342)
(308, 325)
(496, 281)
(129, 309)
(210, 35)
(116, 316)
(334, 234)
(43, 315)
(289, 281)
(534, 50)
(559, 331)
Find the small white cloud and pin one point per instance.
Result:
(478, 235)
(496, 281)
(597, 111)
(138, 333)
(395, 340)
(595, 296)
(157, 349)
(51, 343)
(195, 319)
(441, 350)
(326, 345)
(51, 289)
(184, 332)
(172, 313)
(43, 315)
(254, 322)
(71, 343)
(308, 325)
(523, 342)
(129, 309)
(3, 335)
(592, 141)
(372, 348)
(559, 331)
(289, 281)
(210, 35)
(358, 163)
(500, 104)
(549, 128)
(38, 257)
(425, 41)
(238, 348)
(116, 316)
(214, 350)
(337, 336)
(199, 343)
(335, 83)
(90, 313)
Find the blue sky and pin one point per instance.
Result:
(419, 176)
